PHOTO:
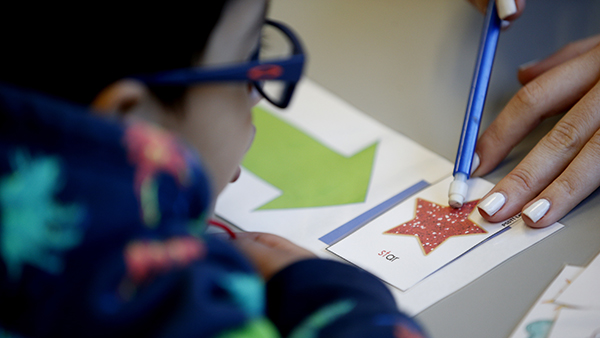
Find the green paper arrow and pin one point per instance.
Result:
(308, 173)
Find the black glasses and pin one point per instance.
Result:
(274, 69)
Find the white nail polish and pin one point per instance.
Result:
(528, 64)
(537, 210)
(504, 24)
(492, 203)
(506, 8)
(475, 163)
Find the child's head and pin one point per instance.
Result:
(88, 60)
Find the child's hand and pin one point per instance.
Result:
(269, 253)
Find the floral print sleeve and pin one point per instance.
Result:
(101, 235)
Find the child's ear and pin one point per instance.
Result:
(120, 97)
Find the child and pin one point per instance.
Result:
(102, 217)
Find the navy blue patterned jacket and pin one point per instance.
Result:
(102, 235)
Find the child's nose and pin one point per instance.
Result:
(254, 95)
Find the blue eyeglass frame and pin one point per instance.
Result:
(254, 71)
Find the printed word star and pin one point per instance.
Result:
(434, 223)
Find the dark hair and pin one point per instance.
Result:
(74, 53)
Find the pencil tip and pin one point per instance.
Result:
(458, 191)
(456, 201)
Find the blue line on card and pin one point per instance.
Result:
(369, 215)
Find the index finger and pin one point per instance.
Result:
(549, 94)
(507, 9)
(549, 158)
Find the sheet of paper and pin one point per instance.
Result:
(471, 266)
(400, 167)
(419, 236)
(584, 293)
(574, 323)
(317, 165)
(542, 315)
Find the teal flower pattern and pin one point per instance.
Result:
(247, 291)
(35, 229)
(311, 326)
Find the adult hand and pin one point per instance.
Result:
(564, 167)
(508, 10)
(269, 253)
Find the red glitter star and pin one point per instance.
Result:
(434, 223)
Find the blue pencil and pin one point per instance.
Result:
(481, 79)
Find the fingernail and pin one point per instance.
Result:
(475, 163)
(492, 203)
(528, 64)
(504, 24)
(506, 8)
(537, 210)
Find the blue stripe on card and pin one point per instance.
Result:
(344, 230)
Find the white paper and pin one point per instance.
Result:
(541, 317)
(403, 260)
(572, 323)
(585, 291)
(399, 164)
(471, 266)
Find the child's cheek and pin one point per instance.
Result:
(255, 96)
(236, 175)
(238, 171)
(252, 135)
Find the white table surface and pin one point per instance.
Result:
(409, 64)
